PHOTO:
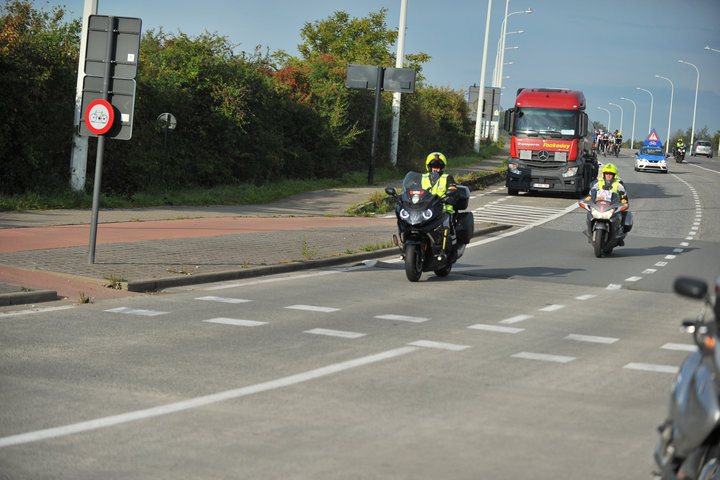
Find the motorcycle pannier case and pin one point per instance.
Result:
(465, 227)
(463, 197)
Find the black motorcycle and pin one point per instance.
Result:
(607, 227)
(430, 238)
(689, 445)
(679, 154)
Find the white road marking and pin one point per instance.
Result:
(212, 298)
(585, 297)
(543, 357)
(271, 280)
(661, 264)
(202, 401)
(670, 257)
(313, 308)
(235, 321)
(648, 271)
(402, 318)
(334, 333)
(591, 338)
(552, 308)
(613, 286)
(516, 319)
(35, 310)
(439, 345)
(496, 328)
(649, 367)
(633, 279)
(682, 347)
(136, 311)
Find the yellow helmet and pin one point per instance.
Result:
(435, 156)
(609, 168)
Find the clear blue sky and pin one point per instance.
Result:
(605, 48)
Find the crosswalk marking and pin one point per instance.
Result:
(591, 338)
(496, 328)
(439, 345)
(516, 319)
(543, 357)
(402, 318)
(649, 367)
(681, 347)
(136, 311)
(334, 333)
(519, 215)
(313, 308)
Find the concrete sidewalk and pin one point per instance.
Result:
(44, 254)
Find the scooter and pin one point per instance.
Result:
(607, 227)
(689, 445)
(430, 238)
(679, 154)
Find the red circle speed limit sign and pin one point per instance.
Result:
(99, 117)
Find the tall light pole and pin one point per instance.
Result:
(621, 114)
(697, 84)
(497, 56)
(608, 112)
(478, 115)
(399, 63)
(672, 93)
(496, 133)
(707, 47)
(632, 138)
(651, 107)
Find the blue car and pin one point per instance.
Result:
(651, 158)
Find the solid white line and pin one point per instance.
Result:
(235, 321)
(649, 367)
(516, 319)
(312, 308)
(591, 339)
(272, 280)
(552, 308)
(38, 310)
(439, 345)
(136, 311)
(543, 357)
(402, 318)
(682, 347)
(212, 298)
(201, 401)
(495, 328)
(334, 333)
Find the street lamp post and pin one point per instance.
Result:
(502, 54)
(651, 107)
(608, 112)
(707, 47)
(497, 57)
(621, 114)
(672, 93)
(697, 84)
(483, 67)
(632, 138)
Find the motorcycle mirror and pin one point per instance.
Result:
(390, 191)
(690, 287)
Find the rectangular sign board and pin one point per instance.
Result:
(491, 102)
(365, 77)
(124, 49)
(121, 97)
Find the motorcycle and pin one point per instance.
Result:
(430, 238)
(679, 154)
(607, 227)
(689, 445)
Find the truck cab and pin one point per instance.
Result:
(551, 144)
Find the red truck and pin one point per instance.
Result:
(551, 145)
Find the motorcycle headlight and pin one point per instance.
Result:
(415, 199)
(404, 214)
(571, 172)
(427, 214)
(606, 215)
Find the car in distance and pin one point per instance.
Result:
(701, 147)
(651, 158)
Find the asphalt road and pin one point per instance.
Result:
(533, 359)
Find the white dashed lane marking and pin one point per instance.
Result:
(543, 357)
(312, 308)
(649, 367)
(439, 345)
(681, 347)
(516, 319)
(136, 311)
(402, 318)
(552, 308)
(235, 321)
(212, 298)
(496, 328)
(591, 339)
(334, 333)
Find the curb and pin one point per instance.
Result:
(22, 298)
(156, 284)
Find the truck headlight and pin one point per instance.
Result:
(571, 172)
(513, 168)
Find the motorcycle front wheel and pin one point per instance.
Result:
(597, 243)
(413, 262)
(443, 272)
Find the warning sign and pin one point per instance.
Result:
(652, 140)
(99, 117)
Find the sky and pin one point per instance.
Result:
(606, 49)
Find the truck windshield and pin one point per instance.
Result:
(545, 121)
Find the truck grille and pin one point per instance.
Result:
(543, 158)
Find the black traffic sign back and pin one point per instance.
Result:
(124, 51)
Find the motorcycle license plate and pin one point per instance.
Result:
(541, 185)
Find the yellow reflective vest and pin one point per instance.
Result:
(439, 188)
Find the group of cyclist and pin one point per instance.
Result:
(606, 142)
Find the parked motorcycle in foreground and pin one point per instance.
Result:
(430, 238)
(606, 225)
(689, 445)
(679, 154)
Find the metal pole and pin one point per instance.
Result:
(481, 95)
(697, 84)
(376, 119)
(621, 114)
(101, 141)
(672, 93)
(707, 47)
(399, 62)
(632, 138)
(608, 112)
(651, 107)
(78, 157)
